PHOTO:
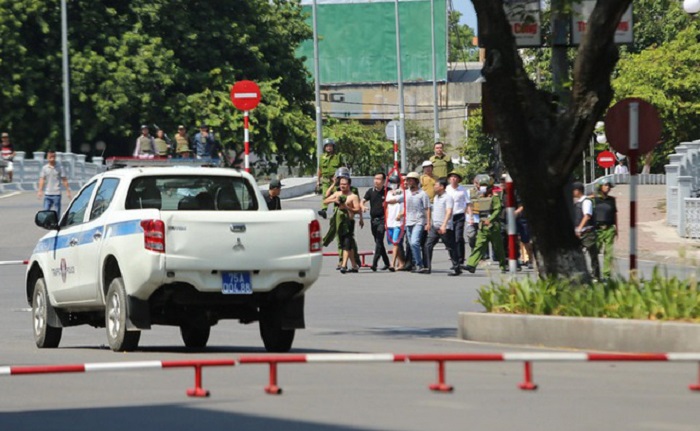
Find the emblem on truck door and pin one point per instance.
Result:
(237, 228)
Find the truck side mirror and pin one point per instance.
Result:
(46, 219)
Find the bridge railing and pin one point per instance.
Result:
(683, 190)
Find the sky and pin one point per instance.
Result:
(467, 10)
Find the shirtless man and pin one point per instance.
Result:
(348, 205)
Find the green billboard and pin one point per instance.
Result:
(357, 40)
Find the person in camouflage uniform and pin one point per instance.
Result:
(489, 207)
(605, 215)
(330, 162)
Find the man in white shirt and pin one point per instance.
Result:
(394, 221)
(585, 226)
(441, 228)
(621, 168)
(461, 212)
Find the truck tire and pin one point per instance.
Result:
(120, 340)
(195, 337)
(274, 337)
(45, 335)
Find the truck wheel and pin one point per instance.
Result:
(45, 336)
(275, 338)
(195, 337)
(120, 340)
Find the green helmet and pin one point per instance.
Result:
(603, 181)
(328, 141)
(485, 180)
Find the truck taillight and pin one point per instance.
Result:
(315, 239)
(153, 235)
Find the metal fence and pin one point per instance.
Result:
(683, 190)
(26, 171)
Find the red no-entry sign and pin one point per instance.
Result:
(245, 95)
(606, 159)
(617, 126)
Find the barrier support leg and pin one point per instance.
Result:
(198, 390)
(528, 385)
(696, 386)
(272, 388)
(441, 386)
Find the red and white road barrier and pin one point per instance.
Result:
(440, 358)
(197, 391)
(512, 232)
(13, 262)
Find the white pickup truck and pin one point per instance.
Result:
(183, 246)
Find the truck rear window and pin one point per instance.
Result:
(191, 193)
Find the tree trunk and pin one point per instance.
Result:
(542, 141)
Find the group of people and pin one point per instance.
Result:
(595, 221)
(202, 145)
(414, 216)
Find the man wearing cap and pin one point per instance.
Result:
(329, 164)
(204, 143)
(427, 180)
(417, 219)
(605, 216)
(145, 144)
(8, 153)
(442, 163)
(272, 197)
(460, 212)
(585, 226)
(182, 142)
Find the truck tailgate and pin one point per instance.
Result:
(237, 240)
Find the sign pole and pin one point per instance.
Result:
(512, 231)
(246, 141)
(396, 147)
(633, 153)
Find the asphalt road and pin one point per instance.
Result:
(366, 312)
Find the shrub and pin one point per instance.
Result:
(659, 298)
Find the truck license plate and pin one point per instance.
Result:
(236, 283)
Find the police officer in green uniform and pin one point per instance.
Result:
(605, 213)
(489, 206)
(330, 162)
(442, 163)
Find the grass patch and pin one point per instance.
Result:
(658, 298)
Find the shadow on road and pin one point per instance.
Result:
(155, 417)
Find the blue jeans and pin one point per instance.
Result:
(414, 234)
(53, 201)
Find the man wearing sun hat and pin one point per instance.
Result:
(427, 180)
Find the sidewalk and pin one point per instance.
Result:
(655, 240)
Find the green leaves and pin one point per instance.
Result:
(166, 62)
(659, 298)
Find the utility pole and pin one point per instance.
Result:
(317, 91)
(66, 71)
(402, 112)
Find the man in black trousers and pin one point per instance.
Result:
(375, 197)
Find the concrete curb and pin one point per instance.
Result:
(586, 333)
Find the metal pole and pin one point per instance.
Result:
(436, 119)
(633, 153)
(592, 160)
(584, 167)
(246, 141)
(402, 114)
(317, 90)
(66, 82)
